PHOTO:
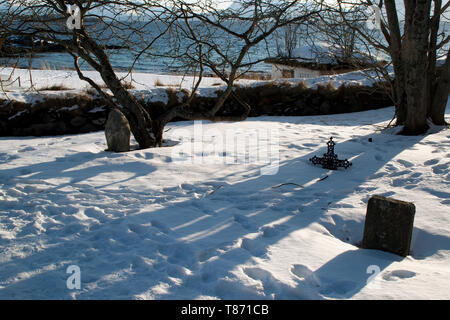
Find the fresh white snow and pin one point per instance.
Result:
(151, 86)
(197, 220)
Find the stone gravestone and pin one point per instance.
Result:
(389, 225)
(117, 132)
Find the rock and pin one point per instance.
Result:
(286, 99)
(308, 111)
(300, 103)
(78, 121)
(3, 127)
(43, 129)
(269, 91)
(389, 225)
(117, 132)
(100, 122)
(88, 127)
(325, 108)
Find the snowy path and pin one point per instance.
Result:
(143, 225)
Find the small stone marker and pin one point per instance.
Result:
(117, 132)
(389, 225)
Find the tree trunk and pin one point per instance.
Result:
(400, 99)
(158, 131)
(138, 117)
(415, 56)
(396, 52)
(441, 94)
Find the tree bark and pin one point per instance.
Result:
(395, 51)
(138, 117)
(441, 94)
(415, 56)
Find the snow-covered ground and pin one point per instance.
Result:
(187, 221)
(23, 85)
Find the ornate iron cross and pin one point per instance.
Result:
(330, 159)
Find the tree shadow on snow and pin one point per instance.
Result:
(200, 245)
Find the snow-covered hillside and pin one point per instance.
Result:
(184, 222)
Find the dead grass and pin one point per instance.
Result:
(255, 76)
(128, 85)
(302, 85)
(171, 90)
(331, 86)
(90, 91)
(55, 87)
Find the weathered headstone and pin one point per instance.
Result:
(389, 225)
(117, 132)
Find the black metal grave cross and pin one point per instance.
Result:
(330, 159)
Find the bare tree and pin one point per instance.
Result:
(413, 36)
(222, 42)
(47, 20)
(332, 30)
(205, 37)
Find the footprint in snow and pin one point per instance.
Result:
(305, 274)
(405, 163)
(137, 228)
(4, 157)
(398, 275)
(206, 254)
(181, 255)
(271, 285)
(254, 246)
(438, 193)
(408, 183)
(26, 149)
(144, 155)
(243, 221)
(391, 167)
(172, 189)
(208, 276)
(186, 186)
(311, 145)
(441, 168)
(365, 189)
(96, 213)
(387, 194)
(161, 226)
(400, 173)
(431, 162)
(272, 231)
(416, 175)
(258, 274)
(165, 159)
(378, 175)
(338, 288)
